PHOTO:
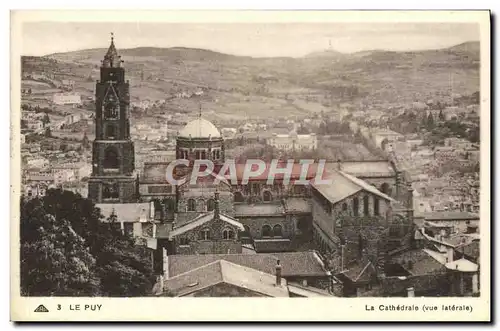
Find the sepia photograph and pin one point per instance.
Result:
(320, 159)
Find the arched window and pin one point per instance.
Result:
(344, 207)
(204, 234)
(355, 206)
(110, 191)
(185, 155)
(267, 196)
(246, 232)
(366, 206)
(111, 158)
(111, 132)
(203, 155)
(277, 231)
(111, 110)
(218, 154)
(376, 206)
(213, 154)
(228, 234)
(169, 204)
(238, 197)
(210, 204)
(266, 231)
(197, 155)
(201, 205)
(385, 188)
(191, 205)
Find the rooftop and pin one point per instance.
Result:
(307, 264)
(450, 215)
(366, 168)
(203, 219)
(200, 128)
(344, 185)
(222, 271)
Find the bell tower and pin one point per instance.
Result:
(113, 176)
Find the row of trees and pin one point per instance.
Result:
(67, 251)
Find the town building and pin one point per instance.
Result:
(294, 141)
(67, 99)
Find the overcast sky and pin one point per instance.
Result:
(259, 40)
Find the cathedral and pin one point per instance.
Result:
(211, 217)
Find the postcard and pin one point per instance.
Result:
(192, 165)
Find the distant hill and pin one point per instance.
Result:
(332, 54)
(266, 86)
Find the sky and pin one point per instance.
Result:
(247, 39)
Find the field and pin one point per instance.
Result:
(243, 87)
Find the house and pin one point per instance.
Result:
(131, 217)
(303, 269)
(225, 279)
(294, 141)
(210, 233)
(66, 99)
(458, 220)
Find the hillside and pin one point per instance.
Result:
(262, 87)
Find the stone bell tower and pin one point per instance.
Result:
(113, 176)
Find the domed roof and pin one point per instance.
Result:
(199, 128)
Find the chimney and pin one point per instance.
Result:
(278, 273)
(216, 205)
(411, 292)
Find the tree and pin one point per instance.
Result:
(85, 141)
(68, 250)
(441, 116)
(45, 119)
(54, 259)
(430, 121)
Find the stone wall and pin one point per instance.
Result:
(255, 224)
(190, 242)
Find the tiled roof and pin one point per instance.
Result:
(308, 291)
(271, 245)
(307, 264)
(298, 205)
(344, 185)
(260, 209)
(450, 215)
(203, 219)
(422, 262)
(360, 272)
(472, 249)
(221, 271)
(367, 169)
(126, 212)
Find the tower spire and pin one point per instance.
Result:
(112, 56)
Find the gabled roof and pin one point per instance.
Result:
(221, 271)
(294, 264)
(360, 272)
(367, 169)
(343, 185)
(203, 219)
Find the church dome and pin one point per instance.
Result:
(200, 128)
